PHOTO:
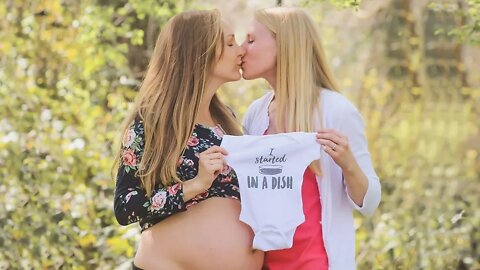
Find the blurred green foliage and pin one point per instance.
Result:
(338, 3)
(69, 70)
(469, 28)
(66, 79)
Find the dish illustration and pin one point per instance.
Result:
(270, 169)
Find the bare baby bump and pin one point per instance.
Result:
(208, 236)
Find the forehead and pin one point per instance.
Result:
(227, 29)
(258, 28)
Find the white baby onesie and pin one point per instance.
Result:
(270, 172)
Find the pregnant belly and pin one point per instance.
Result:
(208, 236)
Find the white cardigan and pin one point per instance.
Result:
(337, 206)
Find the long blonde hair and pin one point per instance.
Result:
(170, 95)
(302, 69)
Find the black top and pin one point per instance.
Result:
(131, 203)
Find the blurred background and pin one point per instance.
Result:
(70, 69)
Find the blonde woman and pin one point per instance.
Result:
(283, 47)
(172, 178)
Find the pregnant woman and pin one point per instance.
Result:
(172, 176)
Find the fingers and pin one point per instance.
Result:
(214, 168)
(330, 144)
(207, 160)
(332, 139)
(214, 153)
(336, 145)
(337, 138)
(215, 149)
(212, 160)
(329, 130)
(216, 165)
(329, 150)
(212, 156)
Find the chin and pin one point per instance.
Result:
(235, 78)
(247, 76)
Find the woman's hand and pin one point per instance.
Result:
(336, 145)
(211, 163)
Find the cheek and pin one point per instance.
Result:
(230, 57)
(253, 55)
(270, 57)
(251, 51)
(261, 57)
(227, 64)
(227, 59)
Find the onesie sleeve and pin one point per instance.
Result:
(131, 203)
(227, 144)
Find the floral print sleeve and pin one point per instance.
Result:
(131, 203)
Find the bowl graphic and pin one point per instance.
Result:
(270, 169)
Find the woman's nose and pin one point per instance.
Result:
(242, 51)
(244, 45)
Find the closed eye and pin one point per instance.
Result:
(249, 39)
(231, 40)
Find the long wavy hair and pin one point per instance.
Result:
(302, 69)
(169, 97)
